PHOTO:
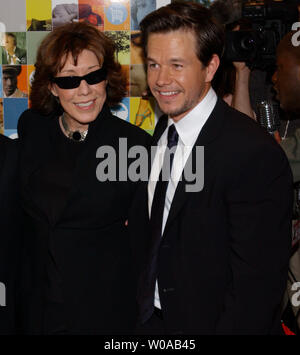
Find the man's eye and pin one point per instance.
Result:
(177, 66)
(152, 65)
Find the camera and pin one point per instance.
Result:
(269, 21)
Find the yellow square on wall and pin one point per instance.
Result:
(38, 15)
(142, 113)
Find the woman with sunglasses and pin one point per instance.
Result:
(77, 276)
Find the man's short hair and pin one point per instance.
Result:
(286, 45)
(12, 69)
(188, 16)
(10, 34)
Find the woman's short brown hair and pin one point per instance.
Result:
(52, 54)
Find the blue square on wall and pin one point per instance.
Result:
(12, 109)
(122, 109)
(11, 133)
(1, 93)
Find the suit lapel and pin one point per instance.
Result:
(159, 129)
(210, 131)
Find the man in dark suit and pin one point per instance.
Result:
(216, 251)
(11, 228)
(286, 80)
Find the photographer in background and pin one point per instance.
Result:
(286, 81)
(243, 90)
(253, 30)
(231, 82)
(233, 79)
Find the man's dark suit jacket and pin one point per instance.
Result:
(88, 241)
(10, 236)
(223, 258)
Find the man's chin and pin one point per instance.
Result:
(173, 112)
(169, 110)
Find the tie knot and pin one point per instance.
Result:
(172, 136)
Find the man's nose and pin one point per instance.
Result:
(164, 76)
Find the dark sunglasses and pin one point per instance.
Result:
(72, 82)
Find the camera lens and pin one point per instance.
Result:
(248, 43)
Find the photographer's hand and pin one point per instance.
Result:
(241, 97)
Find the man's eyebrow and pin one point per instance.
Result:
(151, 59)
(177, 60)
(172, 60)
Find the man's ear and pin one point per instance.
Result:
(212, 67)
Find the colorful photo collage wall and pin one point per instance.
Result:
(23, 25)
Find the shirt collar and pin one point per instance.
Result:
(189, 126)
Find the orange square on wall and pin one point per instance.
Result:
(117, 15)
(22, 80)
(92, 11)
(30, 74)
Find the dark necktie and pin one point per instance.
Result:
(147, 284)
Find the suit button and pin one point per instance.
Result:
(170, 289)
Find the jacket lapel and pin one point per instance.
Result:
(159, 129)
(210, 131)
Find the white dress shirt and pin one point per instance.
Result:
(188, 129)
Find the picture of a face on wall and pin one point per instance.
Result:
(10, 74)
(136, 52)
(138, 80)
(139, 9)
(13, 48)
